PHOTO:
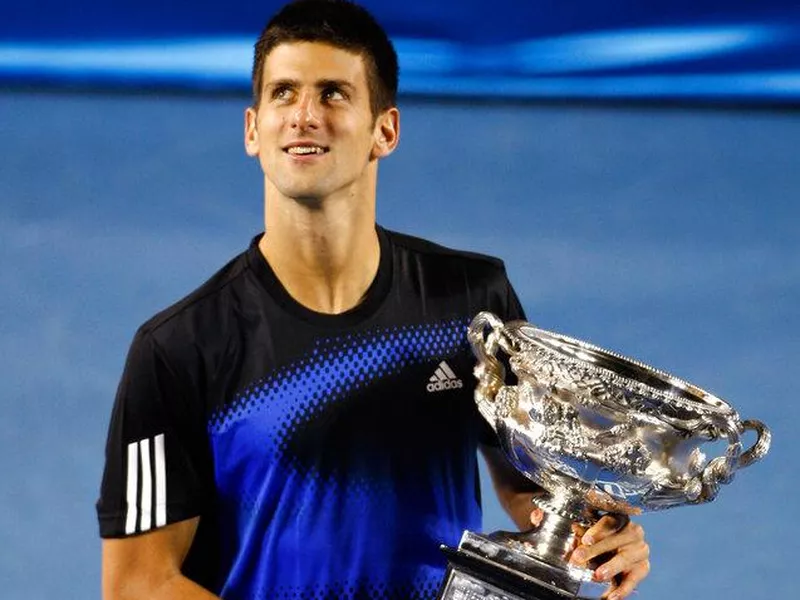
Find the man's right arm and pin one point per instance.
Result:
(149, 565)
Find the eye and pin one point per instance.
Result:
(281, 92)
(333, 93)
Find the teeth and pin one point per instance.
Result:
(306, 150)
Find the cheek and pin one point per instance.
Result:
(269, 127)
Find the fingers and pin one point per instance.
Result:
(624, 561)
(603, 537)
(578, 531)
(610, 545)
(629, 555)
(606, 526)
(537, 514)
(628, 584)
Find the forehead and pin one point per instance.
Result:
(309, 61)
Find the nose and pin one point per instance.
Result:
(306, 113)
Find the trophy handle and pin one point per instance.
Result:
(760, 448)
(489, 371)
(722, 469)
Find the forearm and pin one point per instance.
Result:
(181, 588)
(149, 565)
(519, 506)
(514, 491)
(176, 587)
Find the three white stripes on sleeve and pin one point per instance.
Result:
(140, 498)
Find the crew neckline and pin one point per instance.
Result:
(373, 298)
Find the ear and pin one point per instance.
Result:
(251, 144)
(387, 133)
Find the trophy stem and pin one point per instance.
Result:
(552, 540)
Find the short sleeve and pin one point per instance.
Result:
(513, 307)
(155, 460)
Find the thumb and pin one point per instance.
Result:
(537, 515)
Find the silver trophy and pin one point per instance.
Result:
(600, 433)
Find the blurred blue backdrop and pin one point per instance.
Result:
(667, 234)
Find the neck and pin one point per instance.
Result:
(325, 254)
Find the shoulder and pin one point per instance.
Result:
(435, 271)
(447, 262)
(200, 313)
(433, 251)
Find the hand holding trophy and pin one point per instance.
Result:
(600, 433)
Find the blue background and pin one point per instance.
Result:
(668, 234)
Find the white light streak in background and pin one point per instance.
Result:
(565, 66)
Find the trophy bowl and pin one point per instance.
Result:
(599, 433)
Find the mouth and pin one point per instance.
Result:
(306, 150)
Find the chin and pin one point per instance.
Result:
(308, 196)
(300, 190)
(309, 191)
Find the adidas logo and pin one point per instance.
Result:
(444, 379)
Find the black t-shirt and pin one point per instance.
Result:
(327, 456)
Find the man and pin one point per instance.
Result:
(302, 425)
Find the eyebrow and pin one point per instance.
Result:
(341, 83)
(319, 84)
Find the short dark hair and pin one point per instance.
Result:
(341, 24)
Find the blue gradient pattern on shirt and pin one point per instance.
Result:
(332, 484)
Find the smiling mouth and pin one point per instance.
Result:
(306, 150)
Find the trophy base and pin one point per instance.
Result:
(488, 569)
